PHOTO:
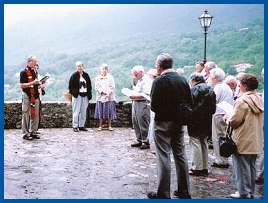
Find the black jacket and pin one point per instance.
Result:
(74, 84)
(168, 91)
(24, 79)
(204, 106)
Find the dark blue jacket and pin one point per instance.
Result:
(74, 84)
(168, 91)
(204, 106)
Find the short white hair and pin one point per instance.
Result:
(211, 65)
(138, 68)
(78, 63)
(104, 65)
(31, 58)
(229, 78)
(218, 73)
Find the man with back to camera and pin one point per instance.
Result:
(168, 91)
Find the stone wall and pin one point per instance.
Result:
(59, 115)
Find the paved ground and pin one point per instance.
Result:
(90, 165)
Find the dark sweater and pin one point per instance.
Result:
(204, 106)
(168, 91)
(74, 84)
(24, 79)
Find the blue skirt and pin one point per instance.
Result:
(105, 110)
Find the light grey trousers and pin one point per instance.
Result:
(169, 136)
(28, 124)
(218, 130)
(260, 172)
(199, 149)
(245, 172)
(151, 127)
(79, 107)
(141, 120)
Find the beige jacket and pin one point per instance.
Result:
(248, 122)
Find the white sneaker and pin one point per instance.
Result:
(236, 195)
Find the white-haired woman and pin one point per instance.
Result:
(232, 82)
(80, 89)
(223, 94)
(105, 97)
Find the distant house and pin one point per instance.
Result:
(242, 67)
(245, 29)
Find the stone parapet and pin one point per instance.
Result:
(59, 115)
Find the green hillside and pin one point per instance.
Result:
(122, 49)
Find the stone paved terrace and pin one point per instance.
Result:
(89, 165)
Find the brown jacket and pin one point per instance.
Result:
(248, 122)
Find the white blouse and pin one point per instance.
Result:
(105, 88)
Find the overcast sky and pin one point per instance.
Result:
(21, 13)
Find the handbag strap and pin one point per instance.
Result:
(229, 131)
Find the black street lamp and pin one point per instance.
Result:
(205, 21)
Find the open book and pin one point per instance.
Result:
(44, 79)
(226, 107)
(128, 92)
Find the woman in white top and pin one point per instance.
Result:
(105, 97)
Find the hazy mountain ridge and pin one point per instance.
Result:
(125, 38)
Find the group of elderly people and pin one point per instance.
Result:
(207, 86)
(159, 101)
(246, 120)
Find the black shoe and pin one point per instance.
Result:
(198, 172)
(35, 136)
(153, 195)
(137, 144)
(181, 195)
(220, 165)
(210, 146)
(76, 130)
(83, 129)
(27, 137)
(145, 146)
(205, 172)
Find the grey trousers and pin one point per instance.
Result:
(199, 148)
(218, 130)
(141, 120)
(245, 173)
(28, 124)
(79, 107)
(169, 136)
(151, 127)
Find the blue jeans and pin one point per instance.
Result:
(79, 107)
(245, 173)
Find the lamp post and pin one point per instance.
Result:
(205, 22)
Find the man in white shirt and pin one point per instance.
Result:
(141, 109)
(223, 93)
